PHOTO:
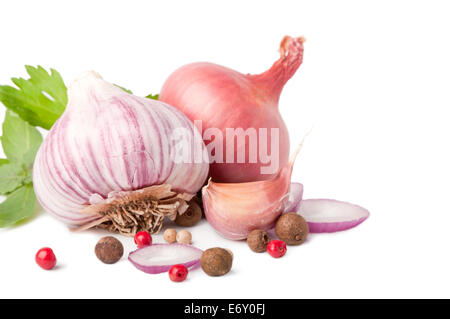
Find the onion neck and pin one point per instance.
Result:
(291, 57)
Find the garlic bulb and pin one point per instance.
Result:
(108, 149)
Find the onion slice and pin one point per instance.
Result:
(329, 215)
(158, 258)
(294, 199)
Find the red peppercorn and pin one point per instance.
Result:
(178, 273)
(142, 239)
(45, 258)
(276, 248)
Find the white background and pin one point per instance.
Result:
(374, 85)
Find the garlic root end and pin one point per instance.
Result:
(145, 209)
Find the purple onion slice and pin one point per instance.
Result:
(329, 215)
(294, 199)
(158, 258)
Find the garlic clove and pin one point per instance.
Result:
(235, 209)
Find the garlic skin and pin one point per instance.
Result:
(107, 142)
(236, 209)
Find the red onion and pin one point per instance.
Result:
(329, 215)
(223, 98)
(158, 258)
(108, 150)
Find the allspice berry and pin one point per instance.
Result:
(184, 237)
(216, 261)
(170, 235)
(191, 216)
(230, 252)
(109, 250)
(258, 240)
(292, 229)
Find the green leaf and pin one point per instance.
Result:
(20, 140)
(124, 89)
(3, 161)
(40, 100)
(12, 176)
(18, 206)
(153, 96)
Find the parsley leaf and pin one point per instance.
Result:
(124, 89)
(40, 100)
(20, 140)
(153, 96)
(11, 177)
(19, 205)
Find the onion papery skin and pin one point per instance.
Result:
(223, 98)
(109, 141)
(236, 209)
